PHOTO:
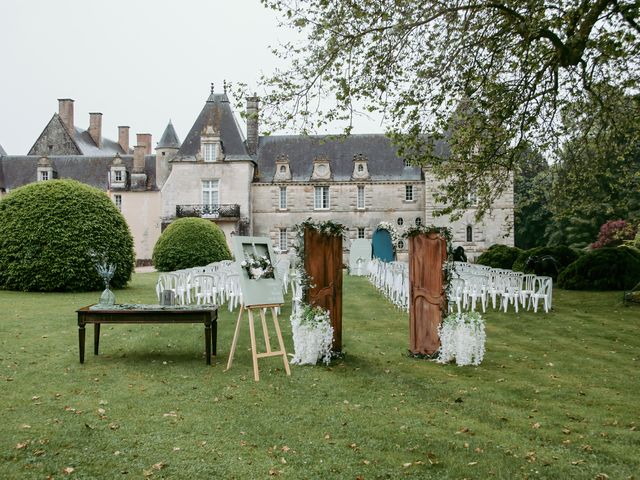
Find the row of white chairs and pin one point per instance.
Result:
(392, 279)
(214, 284)
(472, 286)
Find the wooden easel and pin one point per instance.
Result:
(254, 354)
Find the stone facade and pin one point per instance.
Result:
(264, 186)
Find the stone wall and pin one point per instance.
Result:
(56, 136)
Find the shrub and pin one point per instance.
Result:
(614, 233)
(499, 256)
(606, 268)
(190, 242)
(540, 264)
(47, 231)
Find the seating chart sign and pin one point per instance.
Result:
(256, 291)
(359, 256)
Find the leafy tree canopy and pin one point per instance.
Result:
(492, 77)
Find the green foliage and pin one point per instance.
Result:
(190, 242)
(524, 64)
(603, 269)
(47, 231)
(532, 189)
(499, 256)
(562, 256)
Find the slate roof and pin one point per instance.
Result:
(383, 161)
(18, 170)
(169, 138)
(88, 147)
(216, 112)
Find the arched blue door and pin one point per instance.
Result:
(382, 246)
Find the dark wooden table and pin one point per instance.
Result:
(148, 314)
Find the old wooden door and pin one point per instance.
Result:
(323, 263)
(427, 254)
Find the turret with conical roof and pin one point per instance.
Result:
(166, 149)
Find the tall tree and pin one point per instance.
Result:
(532, 188)
(491, 76)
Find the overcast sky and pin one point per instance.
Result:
(138, 62)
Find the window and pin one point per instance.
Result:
(283, 243)
(44, 175)
(472, 196)
(283, 169)
(209, 152)
(400, 221)
(407, 163)
(117, 199)
(360, 232)
(210, 192)
(418, 221)
(283, 198)
(400, 245)
(321, 198)
(469, 233)
(117, 176)
(360, 168)
(360, 203)
(408, 193)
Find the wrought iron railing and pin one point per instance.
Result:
(209, 211)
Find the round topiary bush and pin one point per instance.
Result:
(190, 242)
(536, 260)
(606, 268)
(499, 256)
(48, 230)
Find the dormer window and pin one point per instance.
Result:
(321, 168)
(45, 170)
(209, 152)
(118, 177)
(283, 169)
(211, 146)
(360, 167)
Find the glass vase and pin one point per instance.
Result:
(108, 298)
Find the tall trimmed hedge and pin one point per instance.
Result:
(563, 256)
(607, 268)
(190, 242)
(499, 256)
(47, 231)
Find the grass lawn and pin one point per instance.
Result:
(556, 397)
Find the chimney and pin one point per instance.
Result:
(65, 111)
(252, 124)
(139, 152)
(123, 138)
(144, 139)
(95, 128)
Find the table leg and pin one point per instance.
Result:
(96, 338)
(214, 338)
(207, 340)
(81, 334)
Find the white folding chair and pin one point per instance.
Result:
(543, 288)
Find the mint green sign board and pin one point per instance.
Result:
(264, 291)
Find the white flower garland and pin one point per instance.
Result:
(312, 335)
(389, 227)
(462, 336)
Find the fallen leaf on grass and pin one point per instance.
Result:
(170, 414)
(274, 472)
(24, 425)
(577, 462)
(471, 464)
(68, 470)
(531, 457)
(536, 425)
(21, 445)
(566, 431)
(114, 426)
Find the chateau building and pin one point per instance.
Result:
(249, 185)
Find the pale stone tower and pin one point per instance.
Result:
(166, 150)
